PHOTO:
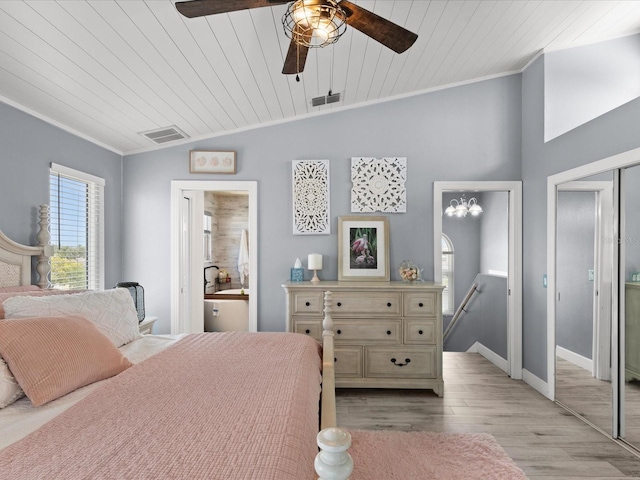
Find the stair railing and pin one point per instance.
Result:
(459, 311)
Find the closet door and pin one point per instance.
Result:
(630, 306)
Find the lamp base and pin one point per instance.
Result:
(315, 278)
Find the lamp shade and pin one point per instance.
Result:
(314, 262)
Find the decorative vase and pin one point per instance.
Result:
(408, 271)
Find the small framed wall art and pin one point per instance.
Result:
(202, 161)
(363, 248)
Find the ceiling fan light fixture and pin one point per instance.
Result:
(314, 23)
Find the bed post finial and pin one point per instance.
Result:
(333, 462)
(44, 237)
(327, 322)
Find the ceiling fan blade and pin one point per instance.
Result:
(200, 8)
(296, 58)
(389, 34)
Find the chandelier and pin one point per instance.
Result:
(461, 208)
(314, 23)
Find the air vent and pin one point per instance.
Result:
(165, 135)
(330, 98)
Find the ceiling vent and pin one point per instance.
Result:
(330, 98)
(165, 134)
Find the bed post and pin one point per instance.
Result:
(333, 462)
(43, 266)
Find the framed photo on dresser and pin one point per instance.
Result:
(363, 248)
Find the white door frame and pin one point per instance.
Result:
(514, 323)
(603, 258)
(178, 187)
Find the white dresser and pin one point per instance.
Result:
(387, 334)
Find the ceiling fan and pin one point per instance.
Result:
(312, 23)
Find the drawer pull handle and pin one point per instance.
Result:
(335, 359)
(421, 304)
(307, 331)
(307, 304)
(388, 332)
(406, 361)
(339, 304)
(388, 304)
(339, 332)
(419, 332)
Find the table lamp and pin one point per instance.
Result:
(314, 263)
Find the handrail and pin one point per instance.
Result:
(459, 311)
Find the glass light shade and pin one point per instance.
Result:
(450, 211)
(461, 210)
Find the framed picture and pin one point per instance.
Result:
(201, 161)
(363, 248)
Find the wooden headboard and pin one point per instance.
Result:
(15, 259)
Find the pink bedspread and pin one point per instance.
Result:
(230, 406)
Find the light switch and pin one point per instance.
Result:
(544, 280)
(591, 275)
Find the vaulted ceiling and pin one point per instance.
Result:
(108, 70)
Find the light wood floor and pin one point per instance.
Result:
(546, 441)
(591, 398)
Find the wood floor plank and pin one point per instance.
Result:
(545, 440)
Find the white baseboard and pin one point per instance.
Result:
(535, 382)
(575, 358)
(490, 355)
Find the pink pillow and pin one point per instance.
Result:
(52, 356)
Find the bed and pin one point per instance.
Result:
(99, 400)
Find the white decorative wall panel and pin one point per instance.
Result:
(378, 184)
(311, 204)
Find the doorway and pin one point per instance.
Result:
(514, 274)
(187, 253)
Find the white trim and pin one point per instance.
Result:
(177, 187)
(498, 273)
(514, 188)
(575, 358)
(536, 383)
(490, 355)
(77, 174)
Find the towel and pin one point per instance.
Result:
(243, 257)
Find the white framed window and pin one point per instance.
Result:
(447, 276)
(77, 229)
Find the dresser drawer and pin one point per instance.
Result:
(401, 362)
(366, 303)
(372, 331)
(348, 361)
(313, 328)
(420, 304)
(310, 303)
(419, 331)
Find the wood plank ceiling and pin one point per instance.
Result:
(110, 69)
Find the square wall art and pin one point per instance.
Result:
(378, 184)
(310, 197)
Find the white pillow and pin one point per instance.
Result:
(112, 311)
(10, 391)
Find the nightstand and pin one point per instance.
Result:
(146, 325)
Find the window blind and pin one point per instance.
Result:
(77, 229)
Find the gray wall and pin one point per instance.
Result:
(29, 145)
(609, 134)
(632, 222)
(463, 133)
(494, 232)
(575, 254)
